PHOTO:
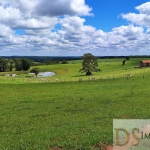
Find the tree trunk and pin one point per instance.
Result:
(88, 73)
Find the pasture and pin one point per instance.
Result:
(110, 68)
(71, 115)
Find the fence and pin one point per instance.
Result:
(74, 79)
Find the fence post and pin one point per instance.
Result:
(80, 79)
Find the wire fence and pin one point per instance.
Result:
(74, 79)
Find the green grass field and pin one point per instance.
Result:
(70, 72)
(71, 115)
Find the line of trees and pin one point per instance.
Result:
(19, 64)
(22, 64)
(53, 61)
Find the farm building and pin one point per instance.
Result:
(145, 63)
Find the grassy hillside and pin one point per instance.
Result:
(110, 68)
(71, 115)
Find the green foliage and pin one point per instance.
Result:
(11, 64)
(89, 64)
(18, 64)
(22, 64)
(64, 61)
(123, 62)
(3, 65)
(127, 58)
(51, 62)
(36, 64)
(11, 67)
(35, 70)
(26, 63)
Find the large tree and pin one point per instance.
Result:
(26, 63)
(11, 64)
(22, 64)
(89, 64)
(3, 65)
(18, 64)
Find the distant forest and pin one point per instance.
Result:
(61, 58)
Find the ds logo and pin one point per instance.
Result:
(123, 136)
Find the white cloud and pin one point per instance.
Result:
(148, 31)
(19, 15)
(5, 31)
(144, 8)
(8, 15)
(33, 24)
(142, 19)
(128, 31)
(62, 7)
(75, 30)
(40, 14)
(57, 28)
(139, 19)
(24, 5)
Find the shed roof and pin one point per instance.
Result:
(145, 61)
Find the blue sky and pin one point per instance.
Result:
(106, 13)
(74, 27)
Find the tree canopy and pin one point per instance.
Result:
(89, 64)
(35, 70)
(18, 64)
(26, 63)
(3, 65)
(22, 64)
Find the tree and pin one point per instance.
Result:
(22, 64)
(127, 58)
(18, 64)
(64, 61)
(89, 64)
(123, 63)
(26, 63)
(3, 65)
(35, 70)
(11, 63)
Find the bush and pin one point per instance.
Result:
(35, 70)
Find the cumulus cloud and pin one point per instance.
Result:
(144, 8)
(5, 31)
(33, 24)
(40, 14)
(88, 38)
(75, 32)
(148, 31)
(62, 7)
(58, 28)
(130, 32)
(18, 14)
(143, 18)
